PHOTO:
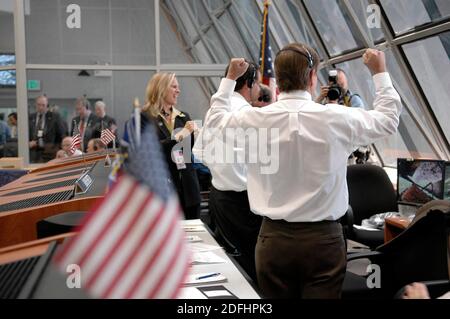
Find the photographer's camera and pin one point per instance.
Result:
(335, 91)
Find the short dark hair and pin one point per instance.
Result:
(249, 76)
(292, 66)
(84, 101)
(14, 115)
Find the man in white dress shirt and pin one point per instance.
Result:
(300, 250)
(236, 225)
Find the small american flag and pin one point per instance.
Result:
(107, 136)
(265, 59)
(76, 140)
(131, 244)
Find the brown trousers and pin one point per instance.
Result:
(300, 260)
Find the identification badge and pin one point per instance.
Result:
(40, 133)
(179, 159)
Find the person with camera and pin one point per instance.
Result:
(337, 91)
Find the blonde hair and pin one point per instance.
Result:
(156, 91)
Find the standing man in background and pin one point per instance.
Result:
(104, 121)
(45, 132)
(5, 135)
(12, 122)
(301, 251)
(86, 122)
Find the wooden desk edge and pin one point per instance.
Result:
(29, 249)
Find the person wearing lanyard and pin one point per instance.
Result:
(300, 251)
(175, 130)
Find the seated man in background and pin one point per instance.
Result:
(95, 145)
(65, 151)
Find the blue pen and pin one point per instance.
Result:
(208, 276)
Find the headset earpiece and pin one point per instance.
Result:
(251, 76)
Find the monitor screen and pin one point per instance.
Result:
(7, 77)
(447, 182)
(420, 181)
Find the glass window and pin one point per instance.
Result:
(408, 140)
(360, 8)
(8, 102)
(214, 4)
(405, 15)
(333, 26)
(293, 18)
(110, 32)
(7, 52)
(430, 59)
(234, 38)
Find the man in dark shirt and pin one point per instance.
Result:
(45, 132)
(104, 121)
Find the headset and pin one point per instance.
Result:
(251, 79)
(248, 78)
(307, 55)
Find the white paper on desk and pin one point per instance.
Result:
(191, 293)
(194, 229)
(207, 258)
(191, 222)
(199, 247)
(193, 279)
(217, 293)
(193, 239)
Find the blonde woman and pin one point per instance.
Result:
(175, 131)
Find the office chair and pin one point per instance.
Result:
(420, 253)
(370, 192)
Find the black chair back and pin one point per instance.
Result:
(370, 191)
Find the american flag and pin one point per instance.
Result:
(265, 57)
(131, 244)
(107, 136)
(76, 140)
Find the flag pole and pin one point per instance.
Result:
(82, 147)
(107, 159)
(137, 120)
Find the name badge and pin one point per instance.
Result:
(40, 133)
(179, 159)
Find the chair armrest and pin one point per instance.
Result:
(347, 223)
(372, 255)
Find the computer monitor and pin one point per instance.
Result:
(7, 77)
(419, 181)
(447, 181)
